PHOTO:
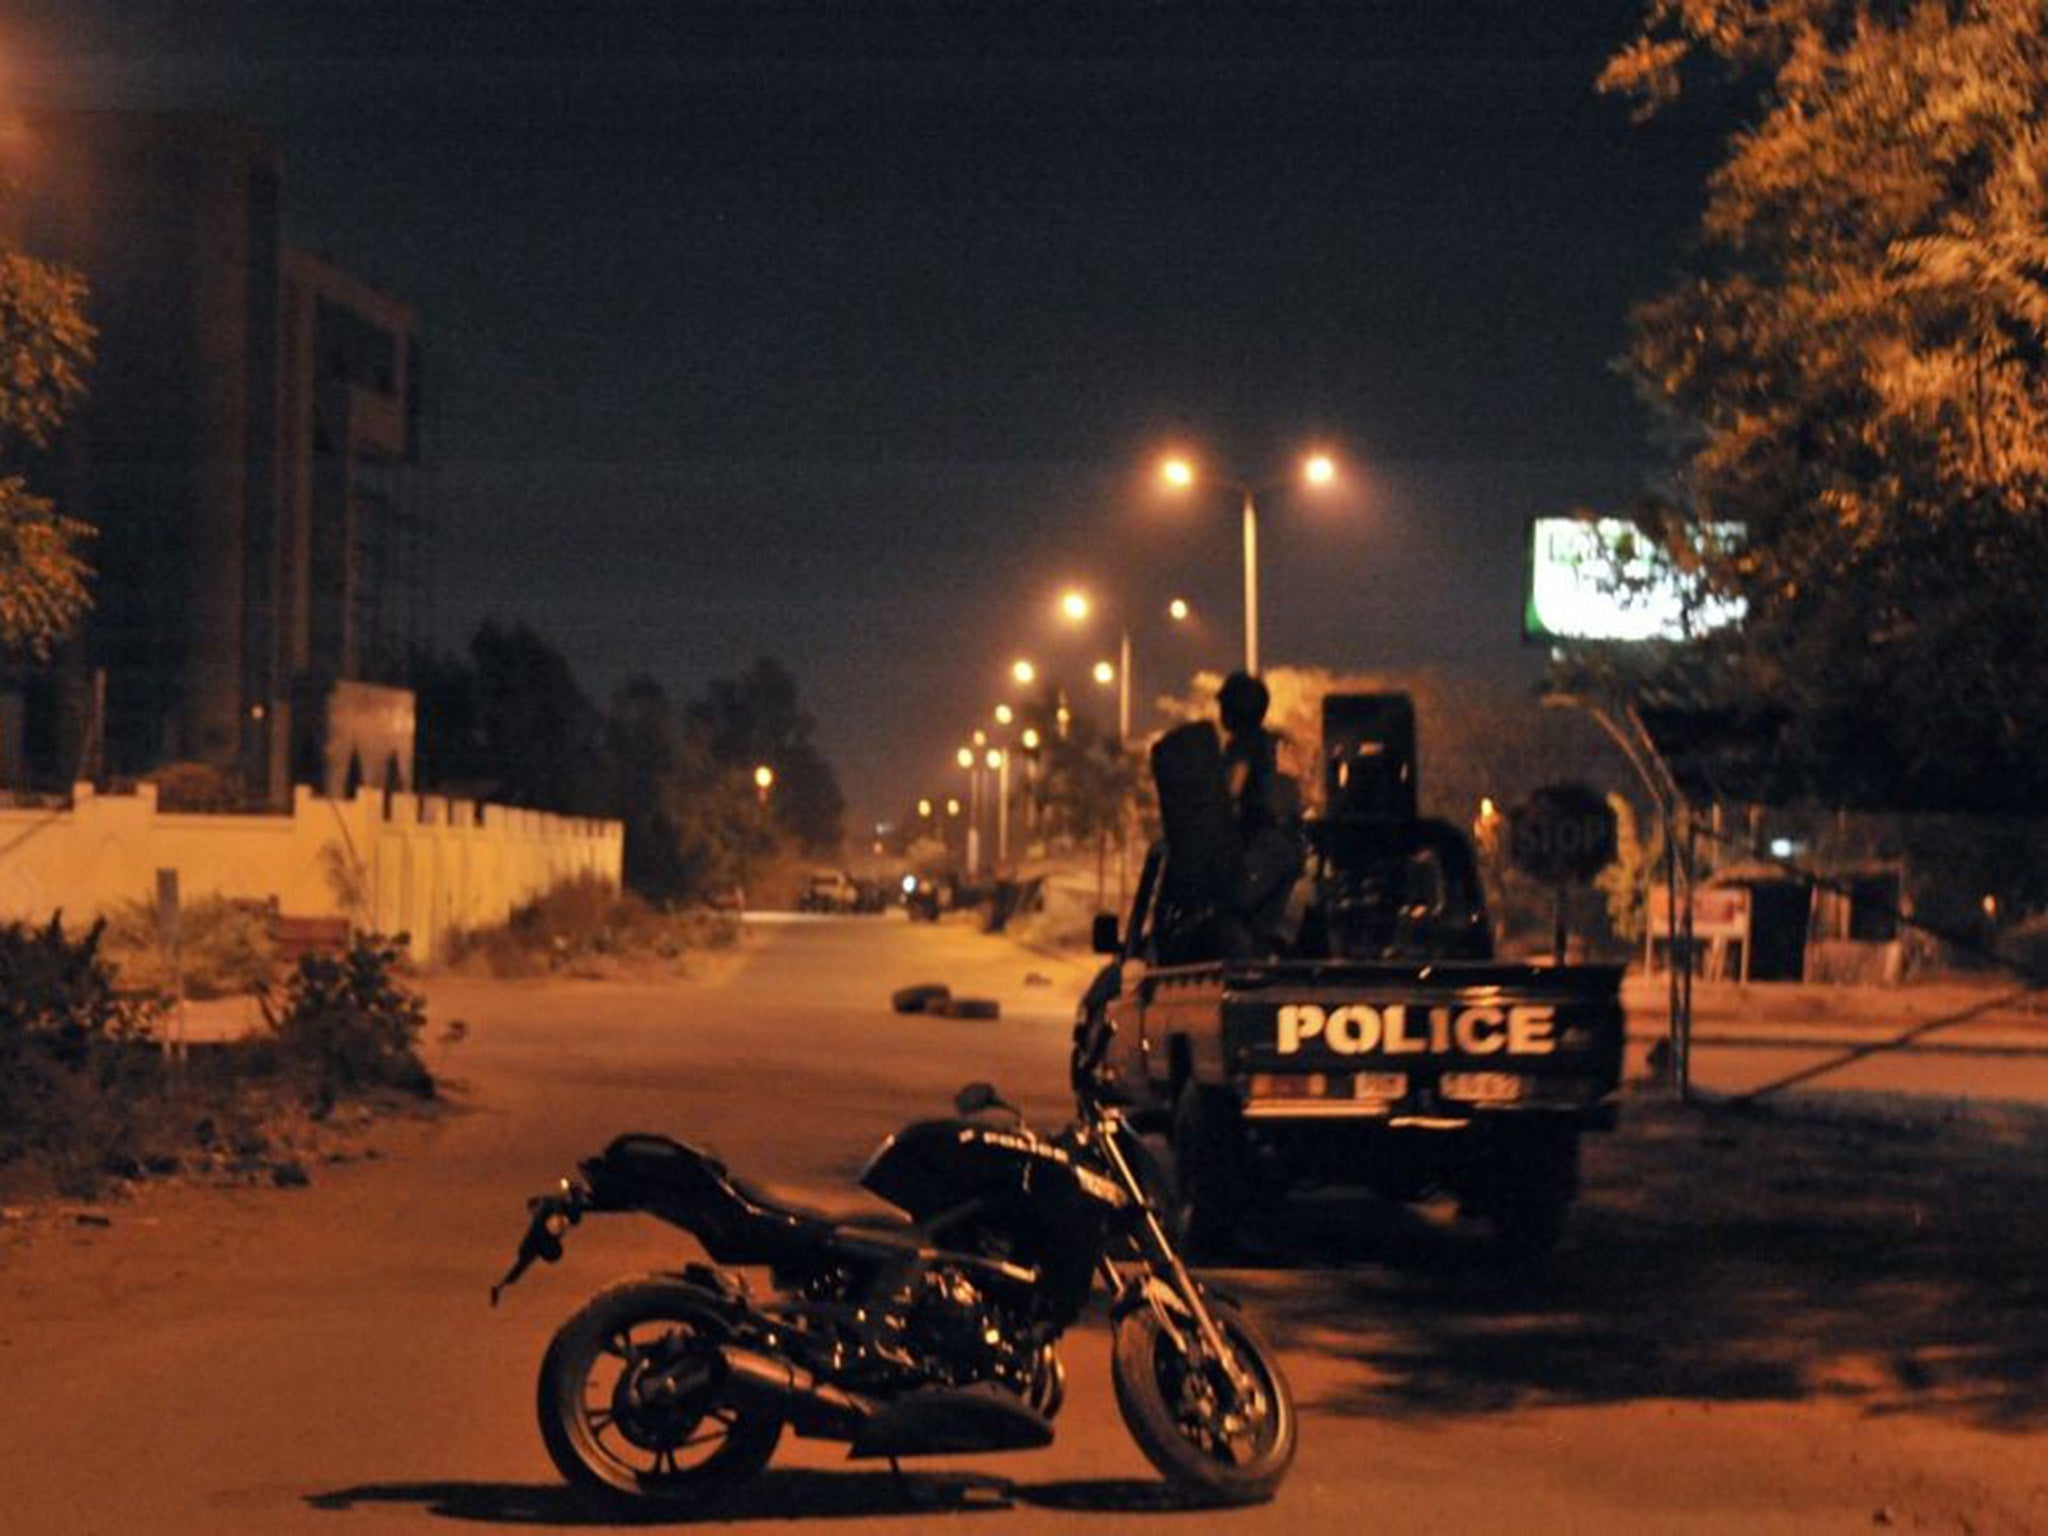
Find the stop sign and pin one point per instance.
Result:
(1563, 835)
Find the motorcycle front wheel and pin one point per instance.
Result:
(1211, 1441)
(629, 1404)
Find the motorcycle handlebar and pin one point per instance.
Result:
(552, 1215)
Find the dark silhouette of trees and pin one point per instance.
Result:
(755, 720)
(510, 723)
(1856, 372)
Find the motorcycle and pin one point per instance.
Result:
(933, 1332)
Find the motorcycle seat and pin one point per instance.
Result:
(867, 1220)
(738, 1222)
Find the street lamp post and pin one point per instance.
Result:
(969, 759)
(1251, 583)
(1317, 470)
(1074, 604)
(1000, 762)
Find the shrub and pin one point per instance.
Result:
(349, 1026)
(195, 787)
(225, 947)
(76, 1059)
(585, 923)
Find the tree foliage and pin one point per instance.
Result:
(45, 349)
(510, 722)
(1473, 742)
(1853, 370)
(754, 720)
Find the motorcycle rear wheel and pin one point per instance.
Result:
(1208, 1447)
(616, 1424)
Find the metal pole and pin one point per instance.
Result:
(973, 820)
(1251, 585)
(1684, 1053)
(1123, 696)
(1003, 813)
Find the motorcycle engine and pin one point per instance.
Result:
(950, 1320)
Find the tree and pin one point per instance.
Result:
(511, 725)
(1473, 742)
(1854, 373)
(45, 349)
(644, 757)
(755, 719)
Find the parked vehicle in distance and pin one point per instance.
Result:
(829, 890)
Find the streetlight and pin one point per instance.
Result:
(1317, 470)
(764, 780)
(1024, 672)
(1075, 606)
(999, 764)
(1005, 714)
(969, 759)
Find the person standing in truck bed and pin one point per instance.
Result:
(1268, 807)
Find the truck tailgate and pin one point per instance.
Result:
(1446, 1040)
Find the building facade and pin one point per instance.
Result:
(248, 452)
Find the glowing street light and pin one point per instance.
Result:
(1024, 672)
(964, 757)
(1318, 470)
(1075, 606)
(1029, 740)
(1005, 714)
(924, 810)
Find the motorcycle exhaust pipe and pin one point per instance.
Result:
(811, 1407)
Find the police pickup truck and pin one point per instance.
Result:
(1381, 1046)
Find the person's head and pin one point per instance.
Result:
(1242, 701)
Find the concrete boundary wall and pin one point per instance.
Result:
(426, 865)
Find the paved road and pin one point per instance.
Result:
(323, 1360)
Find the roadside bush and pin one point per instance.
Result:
(348, 1027)
(197, 787)
(583, 925)
(2025, 945)
(77, 1064)
(226, 947)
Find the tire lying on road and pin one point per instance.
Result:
(921, 998)
(967, 1008)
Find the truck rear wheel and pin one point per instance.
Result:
(1211, 1181)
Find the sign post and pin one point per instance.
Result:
(170, 934)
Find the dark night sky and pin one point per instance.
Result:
(845, 332)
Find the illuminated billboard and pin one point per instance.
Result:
(1602, 579)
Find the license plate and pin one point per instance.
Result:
(1481, 1087)
(1327, 1085)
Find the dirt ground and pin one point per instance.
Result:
(1826, 1313)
